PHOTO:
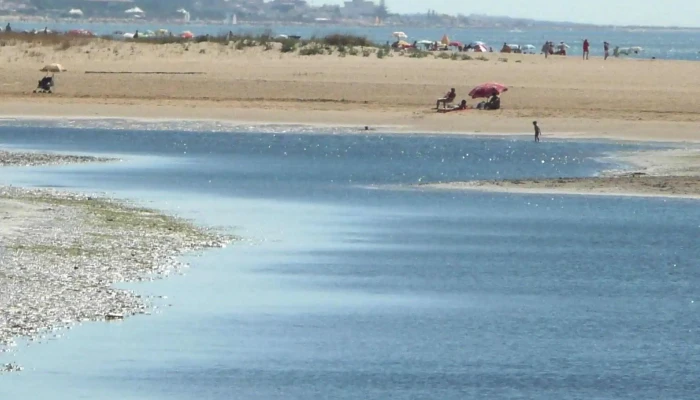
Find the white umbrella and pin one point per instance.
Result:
(53, 68)
(425, 42)
(399, 35)
(75, 11)
(529, 47)
(134, 10)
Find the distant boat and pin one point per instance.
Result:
(515, 30)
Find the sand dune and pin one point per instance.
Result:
(632, 99)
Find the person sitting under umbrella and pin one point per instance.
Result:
(494, 102)
(448, 98)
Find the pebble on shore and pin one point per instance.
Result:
(27, 159)
(59, 268)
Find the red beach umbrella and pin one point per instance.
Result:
(487, 89)
(456, 44)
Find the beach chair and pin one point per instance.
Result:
(45, 85)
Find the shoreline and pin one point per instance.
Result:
(345, 121)
(671, 173)
(62, 252)
(614, 187)
(35, 159)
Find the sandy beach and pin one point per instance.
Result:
(630, 99)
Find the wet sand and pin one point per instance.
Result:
(665, 173)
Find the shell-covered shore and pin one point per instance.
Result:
(30, 159)
(59, 263)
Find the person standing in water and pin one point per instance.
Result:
(538, 132)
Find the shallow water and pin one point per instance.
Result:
(344, 288)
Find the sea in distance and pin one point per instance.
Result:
(352, 283)
(660, 44)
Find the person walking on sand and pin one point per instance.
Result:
(606, 47)
(586, 48)
(538, 132)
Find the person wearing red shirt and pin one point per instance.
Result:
(586, 47)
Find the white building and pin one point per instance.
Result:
(359, 8)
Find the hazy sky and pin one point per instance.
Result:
(619, 12)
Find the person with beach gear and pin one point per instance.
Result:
(538, 132)
(460, 107)
(494, 102)
(448, 98)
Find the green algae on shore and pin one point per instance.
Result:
(59, 264)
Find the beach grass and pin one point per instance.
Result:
(338, 43)
(344, 44)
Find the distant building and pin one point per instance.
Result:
(109, 3)
(287, 5)
(359, 8)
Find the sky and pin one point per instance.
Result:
(684, 13)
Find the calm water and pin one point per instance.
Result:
(682, 45)
(344, 288)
